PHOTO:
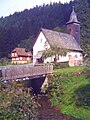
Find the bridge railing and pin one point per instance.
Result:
(13, 72)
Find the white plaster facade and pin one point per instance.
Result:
(42, 44)
(39, 45)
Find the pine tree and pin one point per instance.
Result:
(83, 12)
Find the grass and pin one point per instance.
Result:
(75, 100)
(64, 71)
(70, 98)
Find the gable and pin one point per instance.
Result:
(41, 43)
(20, 52)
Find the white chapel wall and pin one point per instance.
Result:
(39, 45)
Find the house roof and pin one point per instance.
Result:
(22, 52)
(61, 40)
(39, 54)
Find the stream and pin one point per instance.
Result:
(47, 112)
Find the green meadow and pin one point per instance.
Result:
(70, 89)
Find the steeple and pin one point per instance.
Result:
(73, 17)
(73, 26)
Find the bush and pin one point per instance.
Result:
(4, 61)
(16, 105)
(55, 91)
(82, 96)
(61, 65)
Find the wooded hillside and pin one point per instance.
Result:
(21, 28)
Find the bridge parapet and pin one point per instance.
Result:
(13, 72)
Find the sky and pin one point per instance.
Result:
(8, 7)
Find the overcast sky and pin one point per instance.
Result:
(8, 7)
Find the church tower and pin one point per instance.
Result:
(73, 26)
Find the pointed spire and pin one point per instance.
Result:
(73, 17)
(73, 9)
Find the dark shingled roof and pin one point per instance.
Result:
(61, 40)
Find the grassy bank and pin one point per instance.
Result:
(71, 89)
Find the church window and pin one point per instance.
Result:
(80, 55)
(46, 45)
(41, 41)
(76, 56)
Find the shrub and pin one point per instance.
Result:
(82, 96)
(4, 61)
(16, 105)
(55, 91)
(61, 65)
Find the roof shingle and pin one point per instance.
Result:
(61, 40)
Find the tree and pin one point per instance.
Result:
(54, 51)
(27, 43)
(83, 12)
(20, 26)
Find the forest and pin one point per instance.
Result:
(21, 28)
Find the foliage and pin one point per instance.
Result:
(71, 88)
(4, 61)
(59, 51)
(86, 60)
(27, 44)
(19, 28)
(54, 51)
(61, 65)
(55, 91)
(23, 25)
(71, 70)
(82, 96)
(83, 12)
(60, 30)
(48, 53)
(15, 104)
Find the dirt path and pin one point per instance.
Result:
(47, 112)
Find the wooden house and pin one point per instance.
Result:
(20, 56)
